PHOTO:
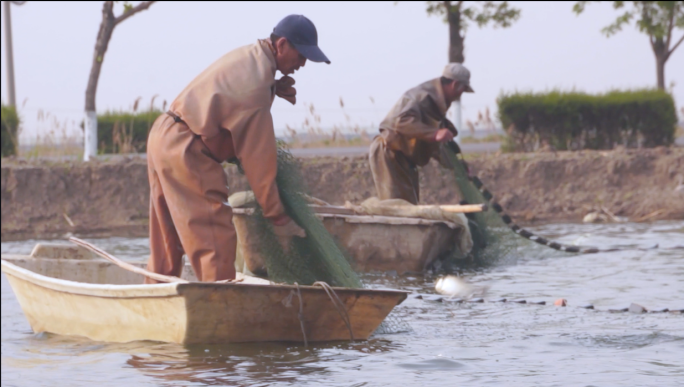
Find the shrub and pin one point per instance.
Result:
(124, 132)
(10, 124)
(573, 121)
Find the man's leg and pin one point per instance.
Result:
(196, 191)
(393, 175)
(166, 252)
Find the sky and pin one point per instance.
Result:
(378, 51)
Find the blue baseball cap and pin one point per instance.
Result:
(301, 33)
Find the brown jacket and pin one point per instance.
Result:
(411, 125)
(229, 105)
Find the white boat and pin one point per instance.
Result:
(67, 290)
(373, 243)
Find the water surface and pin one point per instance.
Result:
(448, 344)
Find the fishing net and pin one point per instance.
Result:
(493, 240)
(392, 324)
(314, 258)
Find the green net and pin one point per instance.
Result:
(314, 258)
(493, 240)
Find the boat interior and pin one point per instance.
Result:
(75, 263)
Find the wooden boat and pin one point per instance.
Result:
(373, 243)
(67, 290)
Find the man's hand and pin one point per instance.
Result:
(285, 90)
(449, 125)
(444, 135)
(285, 228)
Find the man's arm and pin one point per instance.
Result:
(255, 146)
(447, 131)
(409, 123)
(220, 146)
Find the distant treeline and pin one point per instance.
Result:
(574, 121)
(10, 124)
(563, 120)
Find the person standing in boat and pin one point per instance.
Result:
(412, 131)
(224, 114)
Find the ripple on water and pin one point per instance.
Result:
(437, 364)
(627, 341)
(476, 344)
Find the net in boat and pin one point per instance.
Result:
(314, 258)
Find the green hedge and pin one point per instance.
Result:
(10, 123)
(124, 132)
(573, 121)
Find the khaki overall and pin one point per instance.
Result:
(224, 113)
(406, 141)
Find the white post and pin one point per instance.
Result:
(456, 105)
(10, 56)
(90, 136)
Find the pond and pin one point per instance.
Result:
(448, 343)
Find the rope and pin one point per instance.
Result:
(488, 196)
(126, 265)
(633, 307)
(300, 315)
(339, 305)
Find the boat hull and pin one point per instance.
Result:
(373, 243)
(192, 313)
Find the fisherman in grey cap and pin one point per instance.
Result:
(411, 133)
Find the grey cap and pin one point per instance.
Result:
(458, 72)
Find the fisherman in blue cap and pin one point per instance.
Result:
(223, 114)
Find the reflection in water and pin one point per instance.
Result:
(249, 364)
(448, 343)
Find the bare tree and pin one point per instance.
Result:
(104, 35)
(657, 19)
(459, 14)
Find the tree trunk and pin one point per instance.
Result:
(455, 55)
(455, 38)
(660, 68)
(661, 53)
(101, 44)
